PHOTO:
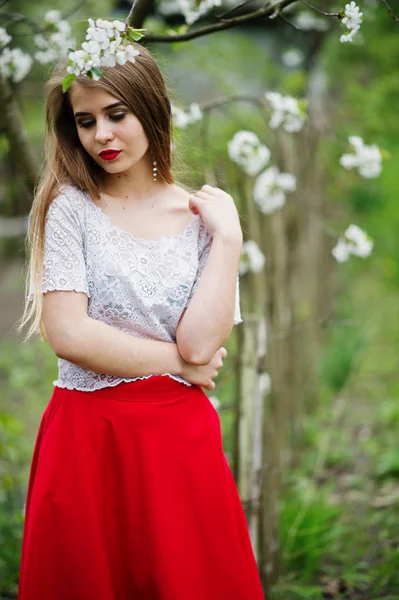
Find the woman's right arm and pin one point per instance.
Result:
(97, 346)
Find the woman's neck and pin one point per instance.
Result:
(137, 188)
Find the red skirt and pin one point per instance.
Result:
(130, 497)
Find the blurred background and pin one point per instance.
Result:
(302, 129)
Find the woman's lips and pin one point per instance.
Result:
(109, 154)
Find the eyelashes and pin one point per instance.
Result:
(115, 117)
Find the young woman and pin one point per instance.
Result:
(134, 284)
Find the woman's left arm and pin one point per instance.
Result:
(207, 322)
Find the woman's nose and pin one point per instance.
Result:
(103, 132)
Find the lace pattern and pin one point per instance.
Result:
(139, 286)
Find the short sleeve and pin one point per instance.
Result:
(64, 265)
(204, 248)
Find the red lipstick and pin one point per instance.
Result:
(109, 154)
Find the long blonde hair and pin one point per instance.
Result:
(142, 88)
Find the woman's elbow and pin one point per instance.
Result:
(61, 349)
(194, 354)
(199, 350)
(62, 343)
(191, 353)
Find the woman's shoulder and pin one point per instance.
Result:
(67, 196)
(68, 204)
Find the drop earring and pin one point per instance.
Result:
(154, 170)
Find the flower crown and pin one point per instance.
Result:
(108, 43)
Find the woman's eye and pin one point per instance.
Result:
(85, 124)
(117, 117)
(113, 117)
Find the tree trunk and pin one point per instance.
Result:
(12, 125)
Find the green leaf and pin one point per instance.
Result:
(89, 74)
(135, 35)
(97, 71)
(181, 30)
(67, 81)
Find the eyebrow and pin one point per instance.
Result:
(81, 114)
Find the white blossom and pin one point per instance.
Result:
(246, 150)
(367, 159)
(252, 258)
(354, 241)
(265, 383)
(214, 401)
(361, 243)
(348, 37)
(119, 25)
(182, 119)
(352, 21)
(54, 43)
(91, 47)
(15, 64)
(270, 189)
(286, 112)
(82, 62)
(341, 251)
(193, 11)
(130, 53)
(353, 16)
(5, 38)
(52, 16)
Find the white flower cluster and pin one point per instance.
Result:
(56, 40)
(246, 150)
(252, 258)
(192, 10)
(367, 159)
(15, 64)
(354, 241)
(181, 118)
(4, 37)
(352, 21)
(270, 189)
(107, 43)
(286, 112)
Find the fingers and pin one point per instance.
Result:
(203, 195)
(206, 192)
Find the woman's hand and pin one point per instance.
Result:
(218, 212)
(203, 375)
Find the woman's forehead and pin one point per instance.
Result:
(87, 99)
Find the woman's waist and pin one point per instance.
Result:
(114, 387)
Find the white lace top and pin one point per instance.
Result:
(139, 286)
